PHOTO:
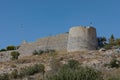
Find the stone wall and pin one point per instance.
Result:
(58, 43)
(79, 38)
(82, 38)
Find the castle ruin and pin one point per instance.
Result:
(77, 39)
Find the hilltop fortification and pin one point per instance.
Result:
(77, 39)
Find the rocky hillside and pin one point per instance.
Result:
(99, 60)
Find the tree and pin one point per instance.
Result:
(102, 41)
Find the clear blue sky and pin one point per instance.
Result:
(33, 19)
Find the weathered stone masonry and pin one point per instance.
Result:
(77, 39)
(58, 43)
(82, 38)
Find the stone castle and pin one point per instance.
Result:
(77, 39)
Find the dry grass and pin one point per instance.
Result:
(115, 73)
(63, 56)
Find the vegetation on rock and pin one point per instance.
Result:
(15, 55)
(39, 52)
(114, 63)
(10, 47)
(108, 43)
(73, 71)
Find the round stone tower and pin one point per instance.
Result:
(82, 38)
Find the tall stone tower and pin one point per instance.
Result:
(82, 38)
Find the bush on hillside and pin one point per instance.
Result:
(114, 78)
(76, 74)
(10, 48)
(2, 50)
(31, 70)
(73, 71)
(26, 71)
(114, 63)
(15, 55)
(107, 46)
(13, 74)
(39, 52)
(4, 76)
(73, 64)
(35, 52)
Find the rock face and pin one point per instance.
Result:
(82, 38)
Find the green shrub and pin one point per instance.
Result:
(113, 78)
(15, 55)
(26, 71)
(73, 64)
(4, 76)
(39, 67)
(39, 52)
(35, 52)
(2, 50)
(73, 71)
(49, 51)
(31, 70)
(114, 63)
(76, 74)
(10, 47)
(107, 46)
(13, 74)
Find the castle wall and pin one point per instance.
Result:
(58, 43)
(79, 38)
(82, 38)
